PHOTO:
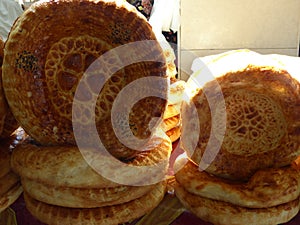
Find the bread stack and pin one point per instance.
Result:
(60, 187)
(10, 187)
(171, 120)
(171, 123)
(241, 136)
(66, 64)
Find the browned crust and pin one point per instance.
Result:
(270, 83)
(170, 123)
(223, 213)
(42, 109)
(176, 92)
(65, 165)
(174, 133)
(108, 215)
(266, 188)
(172, 110)
(83, 197)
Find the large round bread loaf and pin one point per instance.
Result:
(248, 116)
(53, 47)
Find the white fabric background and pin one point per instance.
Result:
(10, 10)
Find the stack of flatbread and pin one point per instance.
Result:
(241, 135)
(75, 71)
(60, 187)
(171, 123)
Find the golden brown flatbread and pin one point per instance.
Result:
(223, 213)
(176, 92)
(172, 110)
(107, 215)
(259, 117)
(174, 133)
(43, 68)
(266, 188)
(170, 123)
(66, 166)
(83, 197)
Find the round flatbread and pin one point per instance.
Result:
(223, 213)
(65, 166)
(176, 92)
(174, 133)
(107, 215)
(83, 197)
(172, 110)
(251, 113)
(170, 123)
(52, 78)
(266, 188)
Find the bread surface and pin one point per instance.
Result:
(66, 166)
(48, 54)
(223, 213)
(174, 133)
(168, 124)
(83, 197)
(254, 120)
(172, 110)
(107, 215)
(176, 92)
(266, 188)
